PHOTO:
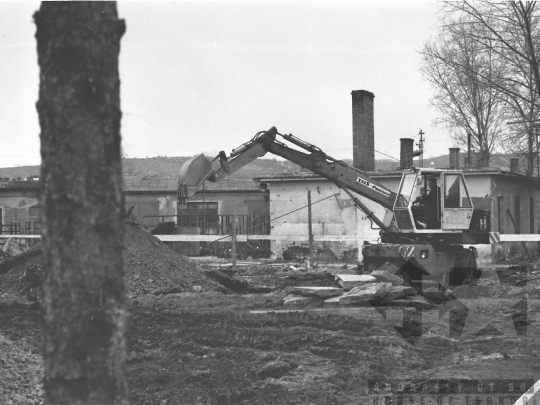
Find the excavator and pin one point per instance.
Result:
(415, 242)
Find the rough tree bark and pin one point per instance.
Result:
(84, 313)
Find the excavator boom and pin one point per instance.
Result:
(199, 169)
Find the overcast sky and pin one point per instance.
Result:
(205, 76)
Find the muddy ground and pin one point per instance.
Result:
(216, 346)
(193, 341)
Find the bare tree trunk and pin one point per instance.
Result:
(84, 313)
(482, 158)
(531, 152)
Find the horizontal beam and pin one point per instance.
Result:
(509, 237)
(244, 238)
(520, 237)
(496, 237)
(5, 236)
(214, 238)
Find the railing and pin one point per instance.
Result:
(16, 228)
(32, 228)
(28, 233)
(245, 224)
(217, 224)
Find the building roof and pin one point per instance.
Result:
(231, 184)
(302, 176)
(169, 184)
(150, 182)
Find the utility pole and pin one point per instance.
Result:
(310, 227)
(420, 145)
(233, 238)
(204, 208)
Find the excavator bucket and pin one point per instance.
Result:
(192, 175)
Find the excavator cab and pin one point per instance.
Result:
(433, 199)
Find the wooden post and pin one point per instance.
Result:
(518, 231)
(310, 227)
(204, 208)
(233, 237)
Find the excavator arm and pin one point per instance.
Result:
(199, 169)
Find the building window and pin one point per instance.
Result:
(198, 214)
(531, 215)
(500, 213)
(517, 216)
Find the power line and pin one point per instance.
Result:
(386, 155)
(281, 216)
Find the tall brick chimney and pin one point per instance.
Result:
(363, 130)
(406, 153)
(454, 158)
(514, 165)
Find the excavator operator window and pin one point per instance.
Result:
(406, 189)
(455, 193)
(426, 206)
(457, 205)
(402, 211)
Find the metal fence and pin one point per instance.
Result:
(13, 229)
(18, 228)
(217, 224)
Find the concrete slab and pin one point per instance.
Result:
(416, 302)
(354, 312)
(296, 301)
(364, 312)
(349, 281)
(383, 275)
(399, 292)
(339, 270)
(332, 302)
(366, 293)
(321, 292)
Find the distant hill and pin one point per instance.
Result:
(19, 171)
(170, 166)
(167, 166)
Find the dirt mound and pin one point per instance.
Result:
(20, 373)
(152, 267)
(11, 283)
(149, 265)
